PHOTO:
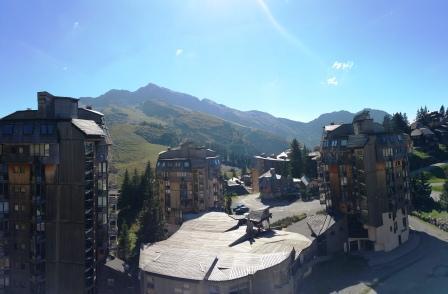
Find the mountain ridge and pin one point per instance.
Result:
(306, 132)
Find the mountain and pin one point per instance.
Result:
(164, 117)
(307, 133)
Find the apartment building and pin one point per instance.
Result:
(53, 197)
(364, 177)
(114, 194)
(189, 180)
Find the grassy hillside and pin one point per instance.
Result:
(140, 133)
(130, 150)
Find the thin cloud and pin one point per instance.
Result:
(75, 25)
(332, 81)
(337, 65)
(179, 51)
(283, 32)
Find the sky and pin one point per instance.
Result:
(292, 58)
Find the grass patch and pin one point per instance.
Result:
(287, 221)
(421, 154)
(437, 188)
(436, 214)
(435, 180)
(130, 151)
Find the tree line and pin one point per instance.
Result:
(140, 217)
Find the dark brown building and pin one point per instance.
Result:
(53, 197)
(189, 180)
(364, 175)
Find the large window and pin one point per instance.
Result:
(4, 207)
(102, 201)
(40, 150)
(4, 282)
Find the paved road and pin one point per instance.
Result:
(279, 209)
(422, 270)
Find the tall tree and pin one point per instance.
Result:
(442, 111)
(422, 115)
(400, 123)
(387, 123)
(151, 217)
(421, 193)
(295, 159)
(124, 243)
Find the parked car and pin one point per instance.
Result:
(241, 209)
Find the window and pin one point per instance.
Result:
(4, 282)
(8, 130)
(102, 201)
(40, 150)
(46, 129)
(28, 129)
(102, 218)
(186, 164)
(4, 207)
(19, 169)
(40, 227)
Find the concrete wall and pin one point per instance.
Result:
(277, 279)
(386, 237)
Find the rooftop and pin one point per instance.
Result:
(214, 247)
(88, 127)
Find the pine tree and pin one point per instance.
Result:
(400, 123)
(124, 244)
(151, 217)
(442, 111)
(123, 201)
(295, 159)
(387, 124)
(421, 193)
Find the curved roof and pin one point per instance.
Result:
(213, 247)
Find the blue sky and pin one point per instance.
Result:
(294, 59)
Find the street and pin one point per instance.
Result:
(421, 266)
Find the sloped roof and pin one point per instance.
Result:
(320, 223)
(210, 248)
(421, 131)
(330, 128)
(88, 127)
(357, 141)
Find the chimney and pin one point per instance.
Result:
(89, 107)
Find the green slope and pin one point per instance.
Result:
(131, 151)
